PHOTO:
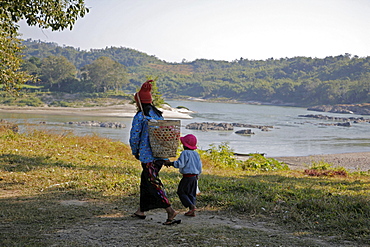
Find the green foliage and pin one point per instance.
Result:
(104, 74)
(261, 163)
(322, 168)
(61, 104)
(299, 80)
(29, 102)
(43, 13)
(55, 70)
(158, 100)
(320, 165)
(223, 156)
(21, 100)
(335, 206)
(56, 15)
(11, 78)
(182, 107)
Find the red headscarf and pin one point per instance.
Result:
(145, 95)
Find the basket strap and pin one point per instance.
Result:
(140, 105)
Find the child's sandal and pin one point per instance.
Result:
(190, 213)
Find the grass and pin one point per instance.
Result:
(40, 169)
(60, 99)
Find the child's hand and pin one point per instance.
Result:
(167, 163)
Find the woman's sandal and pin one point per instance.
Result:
(171, 222)
(139, 216)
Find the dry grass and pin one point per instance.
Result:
(41, 172)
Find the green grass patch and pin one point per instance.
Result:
(58, 99)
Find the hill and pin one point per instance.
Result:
(303, 81)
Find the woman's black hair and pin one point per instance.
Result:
(147, 107)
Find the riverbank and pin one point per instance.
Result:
(125, 110)
(352, 161)
(349, 161)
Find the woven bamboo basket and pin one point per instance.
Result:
(164, 137)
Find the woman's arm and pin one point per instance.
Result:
(135, 134)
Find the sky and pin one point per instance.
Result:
(186, 30)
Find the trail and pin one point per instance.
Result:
(125, 230)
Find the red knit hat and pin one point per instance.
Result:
(189, 141)
(145, 95)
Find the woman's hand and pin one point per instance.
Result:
(168, 163)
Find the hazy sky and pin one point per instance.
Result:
(173, 30)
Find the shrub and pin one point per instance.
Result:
(322, 168)
(182, 107)
(223, 156)
(261, 163)
(61, 104)
(31, 101)
(22, 101)
(5, 125)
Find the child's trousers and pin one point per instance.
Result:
(187, 190)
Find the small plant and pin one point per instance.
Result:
(322, 168)
(182, 107)
(321, 165)
(222, 156)
(5, 125)
(22, 101)
(261, 163)
(61, 104)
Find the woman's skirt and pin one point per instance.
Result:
(152, 194)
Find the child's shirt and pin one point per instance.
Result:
(189, 162)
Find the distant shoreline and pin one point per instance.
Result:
(345, 109)
(126, 110)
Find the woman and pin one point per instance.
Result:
(152, 194)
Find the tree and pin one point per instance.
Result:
(32, 65)
(56, 69)
(105, 74)
(56, 15)
(10, 61)
(157, 96)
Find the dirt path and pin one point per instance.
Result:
(206, 229)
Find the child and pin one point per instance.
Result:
(190, 166)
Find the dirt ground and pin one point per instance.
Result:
(349, 161)
(217, 230)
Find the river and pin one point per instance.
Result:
(291, 136)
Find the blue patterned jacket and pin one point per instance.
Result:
(139, 136)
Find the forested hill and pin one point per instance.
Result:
(298, 80)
